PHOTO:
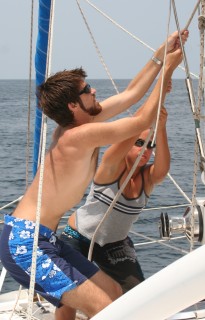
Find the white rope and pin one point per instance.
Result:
(119, 26)
(10, 203)
(133, 36)
(16, 302)
(177, 185)
(166, 207)
(201, 26)
(161, 242)
(180, 38)
(196, 144)
(139, 244)
(196, 147)
(37, 224)
(39, 201)
(96, 47)
(29, 96)
(2, 277)
(162, 83)
(192, 15)
(194, 202)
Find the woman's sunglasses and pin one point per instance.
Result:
(86, 89)
(141, 142)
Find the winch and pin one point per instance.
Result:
(169, 226)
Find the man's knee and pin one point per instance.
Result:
(110, 286)
(116, 290)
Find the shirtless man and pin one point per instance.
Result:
(64, 277)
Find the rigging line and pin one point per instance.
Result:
(99, 53)
(39, 198)
(132, 35)
(201, 26)
(162, 243)
(191, 96)
(188, 78)
(189, 86)
(2, 278)
(196, 144)
(196, 119)
(96, 47)
(177, 185)
(29, 95)
(196, 149)
(167, 207)
(182, 46)
(194, 202)
(162, 82)
(16, 301)
(158, 241)
(192, 15)
(9, 204)
(194, 110)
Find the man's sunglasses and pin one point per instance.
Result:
(86, 89)
(141, 142)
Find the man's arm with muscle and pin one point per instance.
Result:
(99, 134)
(140, 84)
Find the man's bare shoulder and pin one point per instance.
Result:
(72, 142)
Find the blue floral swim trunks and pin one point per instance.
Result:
(59, 268)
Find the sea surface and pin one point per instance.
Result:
(153, 256)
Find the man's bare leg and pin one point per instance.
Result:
(65, 312)
(90, 297)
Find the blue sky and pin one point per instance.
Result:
(72, 44)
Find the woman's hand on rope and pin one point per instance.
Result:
(174, 43)
(173, 59)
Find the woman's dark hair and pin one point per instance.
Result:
(59, 90)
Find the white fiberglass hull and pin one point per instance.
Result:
(167, 292)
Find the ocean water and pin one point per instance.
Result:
(181, 133)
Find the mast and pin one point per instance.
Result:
(40, 67)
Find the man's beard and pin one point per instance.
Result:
(92, 111)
